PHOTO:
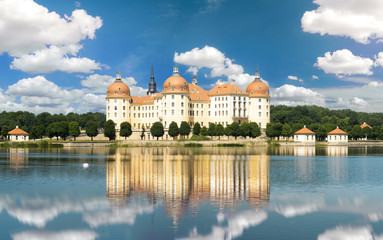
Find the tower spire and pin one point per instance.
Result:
(152, 84)
(118, 75)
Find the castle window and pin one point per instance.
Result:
(172, 104)
(115, 115)
(172, 88)
(259, 114)
(123, 115)
(123, 93)
(115, 93)
(139, 115)
(182, 104)
(259, 100)
(108, 115)
(123, 108)
(134, 115)
(252, 92)
(115, 100)
(108, 108)
(182, 88)
(201, 113)
(259, 107)
(173, 112)
(115, 107)
(172, 96)
(182, 96)
(182, 112)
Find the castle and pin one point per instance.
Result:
(182, 101)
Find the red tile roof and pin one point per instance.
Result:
(304, 131)
(337, 131)
(17, 131)
(365, 125)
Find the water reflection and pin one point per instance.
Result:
(18, 157)
(188, 180)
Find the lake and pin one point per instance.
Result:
(333, 192)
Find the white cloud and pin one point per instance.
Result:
(236, 224)
(361, 20)
(344, 62)
(215, 60)
(295, 78)
(347, 233)
(99, 83)
(49, 235)
(291, 95)
(379, 60)
(314, 77)
(290, 211)
(55, 59)
(37, 37)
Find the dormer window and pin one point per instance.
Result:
(123, 93)
(260, 87)
(169, 84)
(182, 88)
(166, 88)
(115, 93)
(252, 92)
(172, 88)
(119, 89)
(108, 93)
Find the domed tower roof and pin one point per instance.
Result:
(175, 83)
(258, 89)
(118, 89)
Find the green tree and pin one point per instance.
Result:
(245, 130)
(185, 129)
(37, 132)
(211, 130)
(63, 129)
(366, 132)
(157, 130)
(235, 130)
(204, 131)
(219, 131)
(227, 130)
(125, 129)
(196, 129)
(91, 129)
(174, 131)
(74, 130)
(5, 130)
(287, 131)
(49, 132)
(255, 131)
(110, 130)
(296, 127)
(142, 133)
(356, 132)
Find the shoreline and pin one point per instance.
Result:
(172, 143)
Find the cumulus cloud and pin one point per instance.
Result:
(295, 78)
(379, 60)
(38, 94)
(356, 102)
(95, 212)
(348, 233)
(236, 224)
(35, 36)
(291, 95)
(217, 62)
(55, 59)
(360, 20)
(344, 62)
(99, 83)
(49, 235)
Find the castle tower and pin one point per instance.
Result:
(152, 84)
(118, 101)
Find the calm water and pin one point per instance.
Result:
(180, 193)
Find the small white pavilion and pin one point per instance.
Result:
(304, 135)
(337, 136)
(18, 135)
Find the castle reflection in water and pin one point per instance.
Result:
(183, 179)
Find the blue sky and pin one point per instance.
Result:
(59, 56)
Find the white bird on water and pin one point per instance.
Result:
(85, 165)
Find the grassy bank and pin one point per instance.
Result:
(29, 144)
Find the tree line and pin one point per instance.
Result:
(286, 120)
(49, 125)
